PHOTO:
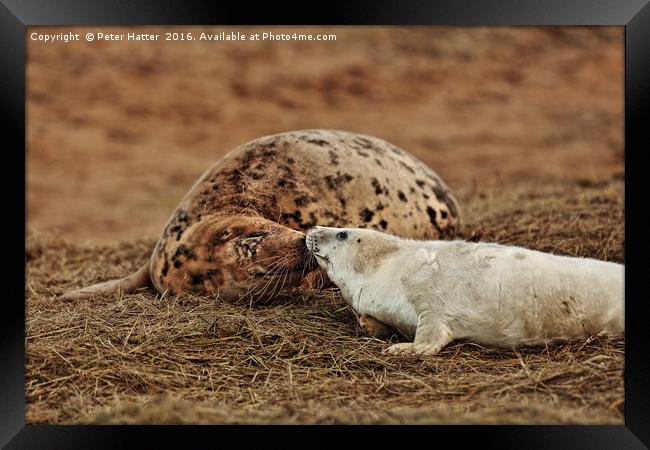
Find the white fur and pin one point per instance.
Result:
(492, 294)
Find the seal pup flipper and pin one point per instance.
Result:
(127, 284)
(431, 333)
(431, 336)
(373, 327)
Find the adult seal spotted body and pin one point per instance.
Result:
(240, 230)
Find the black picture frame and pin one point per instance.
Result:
(634, 15)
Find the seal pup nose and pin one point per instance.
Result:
(311, 241)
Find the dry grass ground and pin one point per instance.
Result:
(142, 359)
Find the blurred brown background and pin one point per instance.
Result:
(119, 131)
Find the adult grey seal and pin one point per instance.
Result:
(240, 230)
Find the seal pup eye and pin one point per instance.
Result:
(342, 236)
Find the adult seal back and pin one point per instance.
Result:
(240, 230)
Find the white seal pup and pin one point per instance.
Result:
(497, 295)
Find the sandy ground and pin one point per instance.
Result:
(524, 124)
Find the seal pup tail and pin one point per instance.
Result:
(129, 283)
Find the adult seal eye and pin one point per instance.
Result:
(342, 236)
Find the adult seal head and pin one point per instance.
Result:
(240, 230)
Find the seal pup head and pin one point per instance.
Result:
(350, 253)
(235, 256)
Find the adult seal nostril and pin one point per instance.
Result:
(242, 218)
